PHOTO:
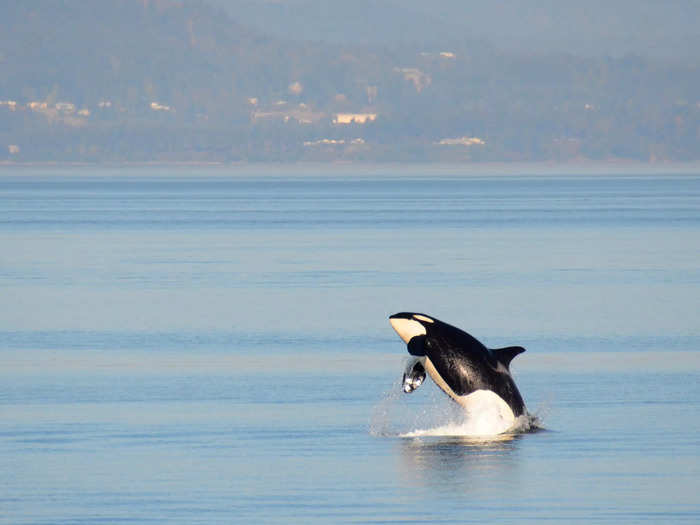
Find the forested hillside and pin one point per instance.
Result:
(166, 80)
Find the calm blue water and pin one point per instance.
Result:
(213, 347)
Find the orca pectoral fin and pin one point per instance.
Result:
(506, 355)
(414, 376)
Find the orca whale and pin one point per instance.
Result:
(467, 371)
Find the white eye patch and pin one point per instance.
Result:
(423, 318)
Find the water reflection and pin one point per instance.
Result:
(452, 461)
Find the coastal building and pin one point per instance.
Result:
(157, 106)
(350, 118)
(462, 141)
(333, 142)
(65, 107)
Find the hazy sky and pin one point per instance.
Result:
(594, 27)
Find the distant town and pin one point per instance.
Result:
(71, 115)
(167, 81)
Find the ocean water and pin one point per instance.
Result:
(212, 346)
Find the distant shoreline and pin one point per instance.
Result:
(341, 168)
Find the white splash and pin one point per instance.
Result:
(397, 415)
(481, 426)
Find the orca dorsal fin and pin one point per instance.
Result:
(506, 355)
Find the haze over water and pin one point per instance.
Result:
(203, 346)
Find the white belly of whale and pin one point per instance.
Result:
(487, 416)
(487, 413)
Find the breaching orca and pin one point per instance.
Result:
(461, 366)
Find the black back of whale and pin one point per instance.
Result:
(465, 364)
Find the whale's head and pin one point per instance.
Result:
(409, 325)
(425, 335)
(421, 331)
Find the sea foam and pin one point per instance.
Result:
(397, 416)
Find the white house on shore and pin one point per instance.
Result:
(357, 118)
(462, 141)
